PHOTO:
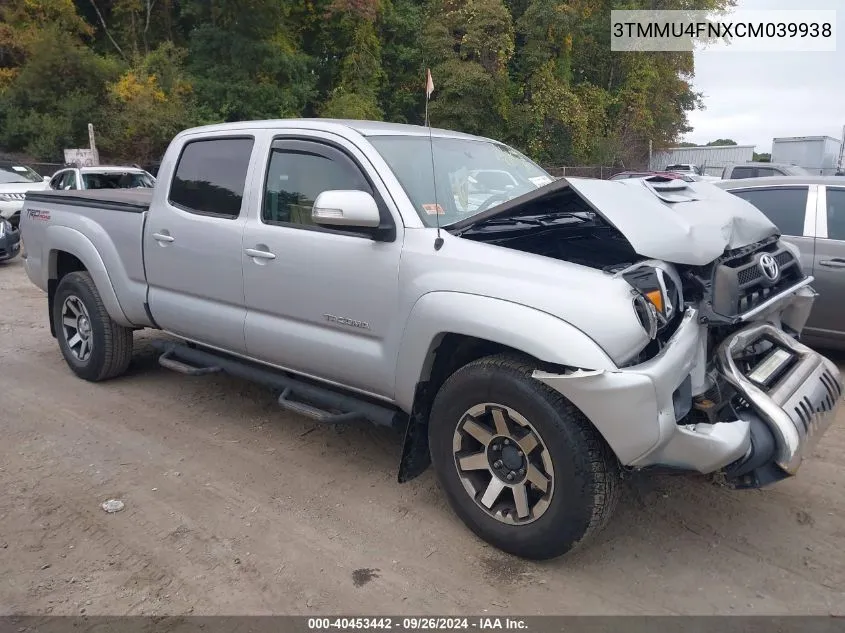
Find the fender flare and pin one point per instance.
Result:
(63, 238)
(540, 334)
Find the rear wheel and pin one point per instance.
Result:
(521, 466)
(93, 345)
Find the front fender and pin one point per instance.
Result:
(63, 238)
(526, 329)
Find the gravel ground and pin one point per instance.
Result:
(233, 506)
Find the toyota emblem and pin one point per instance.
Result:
(769, 267)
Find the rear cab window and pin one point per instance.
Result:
(786, 207)
(211, 175)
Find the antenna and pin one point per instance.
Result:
(429, 88)
(438, 242)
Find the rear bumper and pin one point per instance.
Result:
(639, 410)
(10, 245)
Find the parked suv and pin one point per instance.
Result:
(762, 170)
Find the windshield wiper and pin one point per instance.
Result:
(537, 220)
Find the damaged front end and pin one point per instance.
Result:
(720, 383)
(726, 387)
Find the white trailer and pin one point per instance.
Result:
(816, 154)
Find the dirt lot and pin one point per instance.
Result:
(235, 507)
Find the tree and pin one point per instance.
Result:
(538, 74)
(722, 141)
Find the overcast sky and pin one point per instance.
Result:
(753, 97)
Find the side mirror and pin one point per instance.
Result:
(46, 178)
(355, 209)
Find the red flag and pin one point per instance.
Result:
(429, 83)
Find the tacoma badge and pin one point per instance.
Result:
(344, 321)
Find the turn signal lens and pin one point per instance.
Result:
(656, 298)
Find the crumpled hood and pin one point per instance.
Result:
(680, 222)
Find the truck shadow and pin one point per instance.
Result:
(661, 522)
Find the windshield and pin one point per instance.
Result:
(10, 174)
(117, 180)
(472, 175)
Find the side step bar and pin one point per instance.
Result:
(323, 404)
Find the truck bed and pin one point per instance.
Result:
(126, 200)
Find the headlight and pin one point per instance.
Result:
(658, 297)
(5, 227)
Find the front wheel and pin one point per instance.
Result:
(94, 347)
(520, 465)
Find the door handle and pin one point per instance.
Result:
(163, 237)
(254, 252)
(836, 262)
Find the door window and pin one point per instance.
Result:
(835, 213)
(68, 180)
(210, 176)
(784, 206)
(298, 172)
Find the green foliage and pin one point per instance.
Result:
(765, 157)
(723, 141)
(538, 74)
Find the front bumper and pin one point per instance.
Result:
(800, 406)
(637, 410)
(10, 209)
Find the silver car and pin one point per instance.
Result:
(810, 212)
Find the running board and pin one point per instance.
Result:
(315, 413)
(312, 400)
(167, 360)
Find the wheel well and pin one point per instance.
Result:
(61, 263)
(449, 354)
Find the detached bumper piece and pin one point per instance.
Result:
(792, 396)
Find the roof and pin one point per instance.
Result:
(365, 128)
(707, 147)
(756, 163)
(797, 139)
(781, 180)
(105, 169)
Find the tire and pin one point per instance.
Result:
(580, 472)
(108, 345)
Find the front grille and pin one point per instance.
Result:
(739, 284)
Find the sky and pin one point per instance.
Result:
(753, 97)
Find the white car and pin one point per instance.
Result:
(15, 181)
(692, 170)
(101, 177)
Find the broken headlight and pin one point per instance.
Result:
(657, 298)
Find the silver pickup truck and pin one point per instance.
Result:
(534, 339)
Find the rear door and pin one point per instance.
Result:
(192, 243)
(828, 317)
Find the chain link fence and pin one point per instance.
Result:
(584, 171)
